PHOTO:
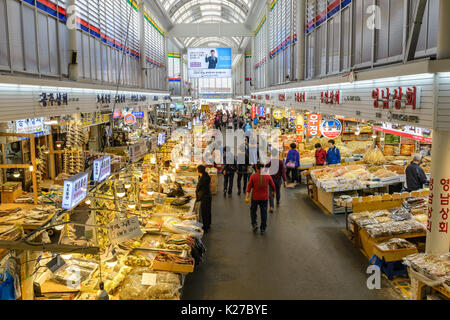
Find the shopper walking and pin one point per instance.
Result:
(259, 187)
(293, 163)
(415, 176)
(203, 195)
(229, 170)
(217, 122)
(333, 154)
(235, 122)
(278, 177)
(244, 169)
(224, 120)
(321, 155)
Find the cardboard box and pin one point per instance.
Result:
(10, 197)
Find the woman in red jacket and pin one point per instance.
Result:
(259, 183)
(321, 155)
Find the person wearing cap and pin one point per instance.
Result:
(415, 176)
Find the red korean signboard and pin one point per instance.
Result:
(331, 97)
(300, 97)
(398, 98)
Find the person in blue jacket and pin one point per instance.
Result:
(248, 127)
(292, 163)
(333, 154)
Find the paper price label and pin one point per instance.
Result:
(148, 279)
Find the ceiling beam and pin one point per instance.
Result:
(184, 30)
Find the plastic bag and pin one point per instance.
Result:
(7, 290)
(167, 286)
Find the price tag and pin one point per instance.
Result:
(148, 279)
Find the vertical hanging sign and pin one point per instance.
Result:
(314, 122)
(300, 128)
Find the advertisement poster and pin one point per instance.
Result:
(209, 62)
(331, 129)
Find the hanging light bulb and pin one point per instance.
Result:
(16, 174)
(121, 191)
(112, 262)
(102, 294)
(66, 256)
(127, 186)
(132, 205)
(31, 168)
(59, 227)
(153, 160)
(374, 136)
(88, 202)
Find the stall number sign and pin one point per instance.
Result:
(314, 121)
(331, 129)
(75, 190)
(102, 168)
(124, 230)
(130, 119)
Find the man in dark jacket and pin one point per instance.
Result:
(278, 178)
(243, 168)
(415, 176)
(228, 171)
(203, 194)
(212, 60)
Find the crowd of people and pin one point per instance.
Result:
(226, 120)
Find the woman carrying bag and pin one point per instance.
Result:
(293, 163)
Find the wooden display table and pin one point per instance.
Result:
(11, 191)
(367, 243)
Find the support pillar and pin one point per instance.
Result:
(438, 212)
(72, 40)
(267, 81)
(301, 7)
(142, 45)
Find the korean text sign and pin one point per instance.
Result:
(314, 122)
(123, 230)
(102, 168)
(75, 190)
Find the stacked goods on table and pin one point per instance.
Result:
(374, 156)
(351, 177)
(347, 150)
(34, 216)
(407, 219)
(432, 270)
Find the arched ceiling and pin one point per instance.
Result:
(208, 11)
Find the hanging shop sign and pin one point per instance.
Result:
(331, 129)
(137, 150)
(117, 114)
(292, 122)
(404, 134)
(288, 113)
(161, 138)
(254, 112)
(75, 190)
(129, 119)
(331, 97)
(138, 115)
(261, 111)
(282, 97)
(122, 230)
(102, 168)
(314, 121)
(32, 125)
(397, 98)
(300, 128)
(206, 109)
(94, 118)
(267, 96)
(278, 114)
